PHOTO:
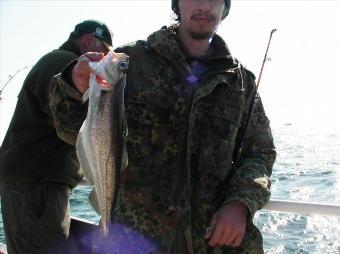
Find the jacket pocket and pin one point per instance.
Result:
(219, 124)
(224, 111)
(148, 107)
(148, 113)
(222, 118)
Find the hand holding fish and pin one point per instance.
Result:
(81, 71)
(227, 226)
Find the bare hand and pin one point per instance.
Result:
(81, 71)
(227, 226)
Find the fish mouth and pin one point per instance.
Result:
(103, 83)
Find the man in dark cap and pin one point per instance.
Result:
(186, 101)
(37, 168)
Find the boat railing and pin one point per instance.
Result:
(301, 207)
(81, 226)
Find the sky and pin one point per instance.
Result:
(299, 85)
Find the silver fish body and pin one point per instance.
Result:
(100, 143)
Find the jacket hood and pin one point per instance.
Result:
(166, 44)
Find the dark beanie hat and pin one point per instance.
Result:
(174, 6)
(97, 28)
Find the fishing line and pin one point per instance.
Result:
(10, 77)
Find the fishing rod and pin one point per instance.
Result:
(265, 59)
(10, 77)
(241, 139)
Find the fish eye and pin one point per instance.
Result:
(123, 65)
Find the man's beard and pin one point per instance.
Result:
(202, 35)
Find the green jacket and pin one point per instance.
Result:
(182, 134)
(31, 149)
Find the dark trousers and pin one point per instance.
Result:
(35, 215)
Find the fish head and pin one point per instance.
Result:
(117, 67)
(110, 69)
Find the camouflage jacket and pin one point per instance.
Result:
(182, 133)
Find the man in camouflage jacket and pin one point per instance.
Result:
(184, 112)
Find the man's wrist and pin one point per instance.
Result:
(242, 208)
(66, 74)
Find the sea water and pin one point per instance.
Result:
(306, 169)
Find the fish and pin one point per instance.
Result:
(100, 144)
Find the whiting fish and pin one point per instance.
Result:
(100, 143)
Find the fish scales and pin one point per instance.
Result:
(100, 142)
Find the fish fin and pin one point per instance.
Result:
(94, 201)
(124, 161)
(86, 95)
